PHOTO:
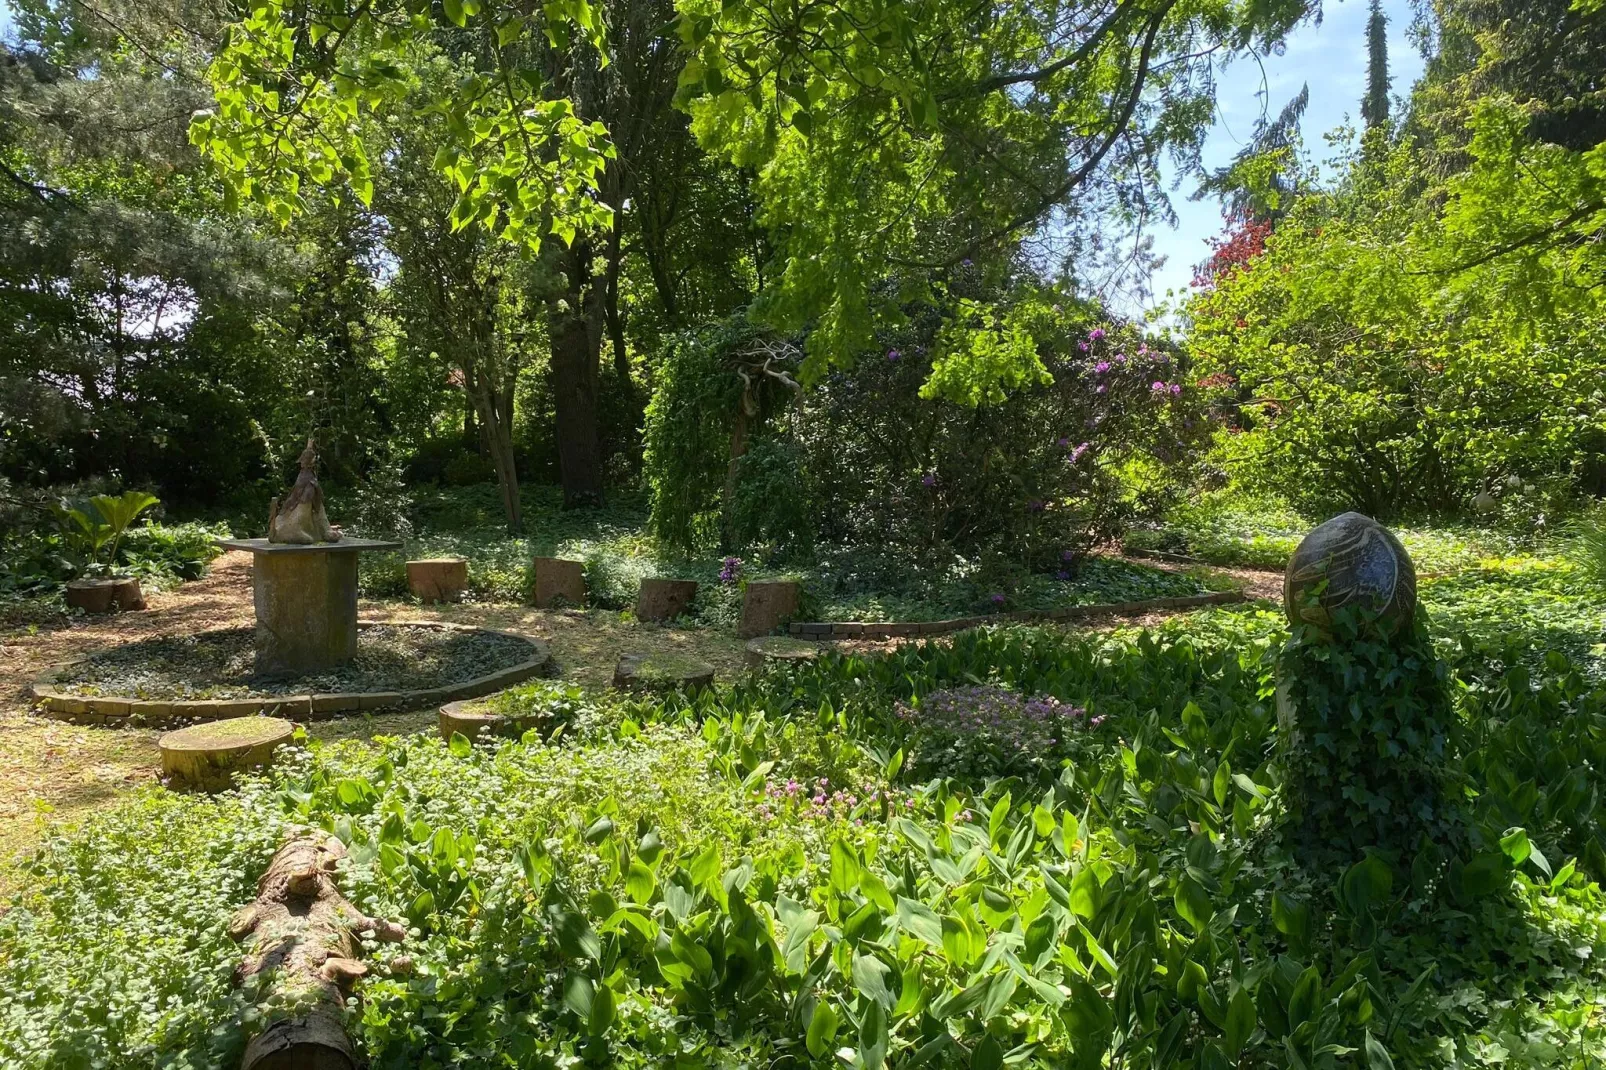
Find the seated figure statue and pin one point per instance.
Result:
(298, 517)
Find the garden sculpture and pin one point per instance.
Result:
(298, 517)
(1361, 562)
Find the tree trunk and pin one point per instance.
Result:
(498, 434)
(303, 933)
(576, 331)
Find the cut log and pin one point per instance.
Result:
(559, 582)
(780, 650)
(661, 672)
(439, 579)
(105, 596)
(300, 933)
(661, 600)
(206, 756)
(474, 720)
(766, 605)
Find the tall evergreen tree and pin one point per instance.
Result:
(1375, 105)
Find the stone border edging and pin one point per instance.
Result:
(115, 711)
(919, 629)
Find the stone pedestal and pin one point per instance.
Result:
(439, 579)
(306, 602)
(557, 579)
(662, 600)
(767, 605)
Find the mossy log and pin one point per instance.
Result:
(300, 935)
(661, 672)
(780, 650)
(206, 756)
(473, 719)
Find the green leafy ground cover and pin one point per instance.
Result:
(765, 875)
(1231, 527)
(855, 583)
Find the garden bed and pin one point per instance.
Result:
(211, 674)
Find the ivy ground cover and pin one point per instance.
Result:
(774, 874)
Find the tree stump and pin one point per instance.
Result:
(206, 756)
(305, 932)
(439, 579)
(474, 723)
(662, 600)
(766, 605)
(105, 596)
(661, 672)
(557, 579)
(780, 650)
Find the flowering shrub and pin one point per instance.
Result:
(986, 731)
(1038, 469)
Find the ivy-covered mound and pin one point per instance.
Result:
(752, 877)
(221, 664)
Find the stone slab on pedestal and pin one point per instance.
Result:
(557, 579)
(661, 600)
(766, 605)
(438, 579)
(306, 602)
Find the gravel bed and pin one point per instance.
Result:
(220, 664)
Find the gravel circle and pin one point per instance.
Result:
(221, 664)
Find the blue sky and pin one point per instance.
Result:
(1330, 57)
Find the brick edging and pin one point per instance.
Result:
(156, 713)
(915, 629)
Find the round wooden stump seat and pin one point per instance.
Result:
(438, 579)
(476, 723)
(206, 756)
(780, 650)
(105, 596)
(663, 600)
(661, 672)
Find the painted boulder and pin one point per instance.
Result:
(1362, 564)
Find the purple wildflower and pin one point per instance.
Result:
(1102, 366)
(893, 354)
(998, 598)
(1082, 346)
(1176, 388)
(1158, 387)
(1062, 575)
(731, 570)
(1096, 334)
(1080, 451)
(929, 479)
(1102, 388)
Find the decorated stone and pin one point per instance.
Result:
(1363, 564)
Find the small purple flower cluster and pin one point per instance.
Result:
(893, 355)
(929, 479)
(1160, 387)
(796, 798)
(985, 729)
(731, 570)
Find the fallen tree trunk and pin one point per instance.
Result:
(301, 933)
